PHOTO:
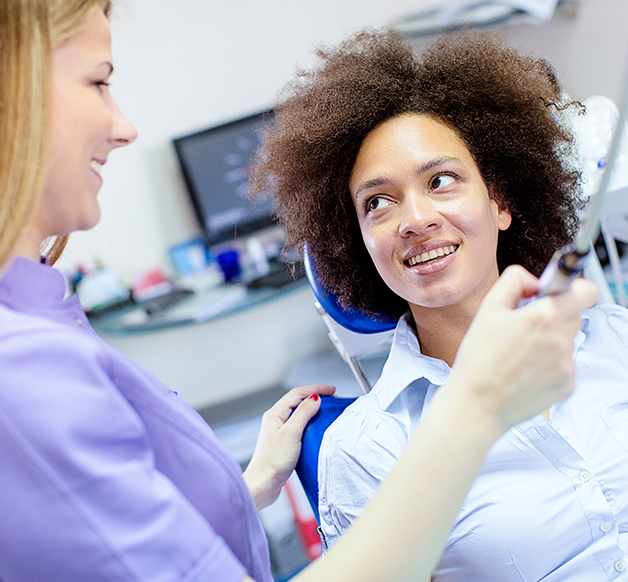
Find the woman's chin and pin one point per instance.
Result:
(88, 222)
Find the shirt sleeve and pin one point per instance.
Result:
(81, 497)
(357, 453)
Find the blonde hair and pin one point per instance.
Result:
(29, 31)
(67, 17)
(24, 81)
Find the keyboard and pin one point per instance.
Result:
(279, 276)
(158, 304)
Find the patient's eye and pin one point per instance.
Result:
(441, 181)
(376, 203)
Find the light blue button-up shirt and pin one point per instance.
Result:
(551, 500)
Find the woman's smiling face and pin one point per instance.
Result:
(86, 126)
(425, 213)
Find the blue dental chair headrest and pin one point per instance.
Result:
(351, 319)
(307, 465)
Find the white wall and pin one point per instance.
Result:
(590, 51)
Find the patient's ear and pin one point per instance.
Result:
(504, 217)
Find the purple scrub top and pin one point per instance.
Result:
(105, 473)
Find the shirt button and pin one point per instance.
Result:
(584, 476)
(606, 527)
(555, 424)
(78, 321)
(620, 565)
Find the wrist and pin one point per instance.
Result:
(261, 485)
(459, 404)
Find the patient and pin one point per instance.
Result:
(415, 181)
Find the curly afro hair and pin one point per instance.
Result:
(505, 106)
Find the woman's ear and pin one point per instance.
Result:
(504, 217)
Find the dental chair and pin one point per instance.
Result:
(354, 335)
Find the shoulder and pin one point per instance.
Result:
(606, 325)
(607, 312)
(364, 429)
(358, 451)
(69, 436)
(14, 323)
(35, 344)
(55, 377)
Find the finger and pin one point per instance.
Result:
(286, 404)
(582, 294)
(514, 284)
(303, 413)
(568, 305)
(295, 396)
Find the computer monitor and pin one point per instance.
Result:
(216, 165)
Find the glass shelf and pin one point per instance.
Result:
(198, 307)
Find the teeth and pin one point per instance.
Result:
(95, 165)
(430, 255)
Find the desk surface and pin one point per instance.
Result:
(199, 307)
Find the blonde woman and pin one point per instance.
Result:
(107, 474)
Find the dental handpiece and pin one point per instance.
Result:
(567, 264)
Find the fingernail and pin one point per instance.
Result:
(314, 397)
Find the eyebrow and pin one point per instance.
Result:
(426, 167)
(374, 183)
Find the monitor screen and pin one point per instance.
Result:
(216, 164)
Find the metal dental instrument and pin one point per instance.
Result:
(567, 264)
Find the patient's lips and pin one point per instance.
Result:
(431, 255)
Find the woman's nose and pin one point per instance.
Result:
(418, 216)
(123, 133)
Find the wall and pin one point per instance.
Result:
(232, 356)
(180, 67)
(589, 52)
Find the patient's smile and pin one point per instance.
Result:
(431, 255)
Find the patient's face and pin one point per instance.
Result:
(425, 213)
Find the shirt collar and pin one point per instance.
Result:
(406, 364)
(27, 283)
